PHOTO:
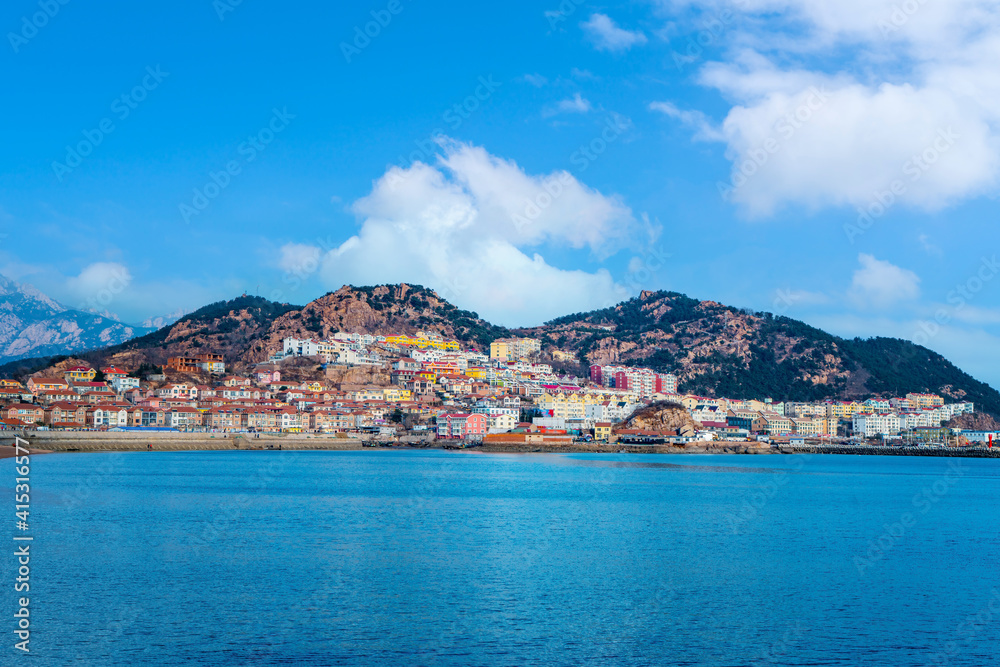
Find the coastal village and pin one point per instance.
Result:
(430, 388)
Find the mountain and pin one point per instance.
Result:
(717, 350)
(249, 329)
(34, 325)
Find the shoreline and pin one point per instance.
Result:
(84, 442)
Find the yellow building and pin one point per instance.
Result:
(777, 424)
(925, 401)
(602, 431)
(422, 340)
(808, 426)
(499, 350)
(844, 410)
(568, 405)
(477, 373)
(367, 394)
(395, 395)
(514, 349)
(80, 374)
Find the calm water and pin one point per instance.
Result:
(322, 558)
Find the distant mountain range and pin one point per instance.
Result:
(35, 325)
(715, 350)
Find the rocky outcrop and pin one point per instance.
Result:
(978, 421)
(662, 417)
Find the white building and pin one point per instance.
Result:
(123, 383)
(872, 425)
(502, 423)
(296, 347)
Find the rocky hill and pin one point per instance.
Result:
(662, 417)
(249, 329)
(717, 350)
(382, 310)
(979, 421)
(34, 325)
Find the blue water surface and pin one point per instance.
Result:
(461, 558)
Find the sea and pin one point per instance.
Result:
(428, 557)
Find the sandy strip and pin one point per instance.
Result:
(7, 452)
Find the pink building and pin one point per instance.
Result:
(462, 425)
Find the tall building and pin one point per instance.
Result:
(514, 349)
(642, 381)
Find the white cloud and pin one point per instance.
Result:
(463, 227)
(575, 104)
(881, 284)
(98, 285)
(914, 107)
(536, 80)
(607, 36)
(299, 258)
(691, 118)
(928, 245)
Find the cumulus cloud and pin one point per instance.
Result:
(914, 114)
(98, 285)
(881, 284)
(467, 226)
(607, 36)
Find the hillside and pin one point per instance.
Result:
(718, 350)
(232, 328)
(382, 310)
(715, 350)
(248, 329)
(34, 325)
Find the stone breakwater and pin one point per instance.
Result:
(868, 450)
(743, 448)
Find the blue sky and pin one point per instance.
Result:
(720, 148)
